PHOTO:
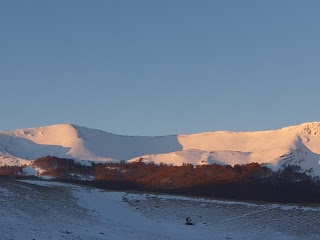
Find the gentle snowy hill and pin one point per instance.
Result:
(80, 143)
(291, 145)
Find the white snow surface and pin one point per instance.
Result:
(80, 143)
(291, 145)
(50, 210)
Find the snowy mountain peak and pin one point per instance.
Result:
(312, 128)
(62, 134)
(223, 147)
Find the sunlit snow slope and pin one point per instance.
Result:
(292, 145)
(80, 143)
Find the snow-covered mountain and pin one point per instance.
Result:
(291, 145)
(80, 143)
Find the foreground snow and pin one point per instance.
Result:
(49, 210)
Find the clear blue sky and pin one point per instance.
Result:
(159, 67)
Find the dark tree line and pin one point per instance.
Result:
(11, 170)
(248, 182)
(62, 167)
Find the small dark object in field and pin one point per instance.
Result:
(189, 221)
(66, 232)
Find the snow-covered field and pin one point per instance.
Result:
(50, 210)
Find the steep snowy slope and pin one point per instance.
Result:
(291, 145)
(102, 144)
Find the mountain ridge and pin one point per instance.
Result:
(222, 147)
(307, 127)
